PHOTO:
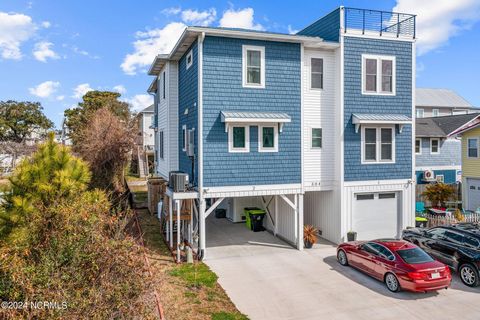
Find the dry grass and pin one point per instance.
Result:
(186, 291)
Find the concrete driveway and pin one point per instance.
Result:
(267, 279)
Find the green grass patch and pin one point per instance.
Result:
(195, 275)
(228, 316)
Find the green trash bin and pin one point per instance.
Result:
(254, 218)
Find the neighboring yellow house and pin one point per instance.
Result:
(471, 166)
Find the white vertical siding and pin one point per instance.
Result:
(320, 112)
(168, 119)
(322, 210)
(285, 219)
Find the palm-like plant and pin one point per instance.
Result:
(309, 235)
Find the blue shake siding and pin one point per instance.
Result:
(327, 28)
(223, 91)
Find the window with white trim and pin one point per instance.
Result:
(253, 65)
(418, 146)
(420, 112)
(434, 146)
(161, 143)
(440, 178)
(184, 138)
(163, 84)
(378, 75)
(472, 148)
(316, 73)
(239, 138)
(268, 138)
(378, 145)
(189, 59)
(316, 138)
(435, 112)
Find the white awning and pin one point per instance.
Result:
(229, 117)
(369, 118)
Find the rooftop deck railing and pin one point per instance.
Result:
(381, 23)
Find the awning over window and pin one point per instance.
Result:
(232, 117)
(369, 118)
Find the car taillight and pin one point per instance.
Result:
(418, 275)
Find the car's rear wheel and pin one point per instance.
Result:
(391, 282)
(469, 275)
(342, 258)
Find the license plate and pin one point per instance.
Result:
(435, 275)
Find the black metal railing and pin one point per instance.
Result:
(367, 21)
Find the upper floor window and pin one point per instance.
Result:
(163, 84)
(239, 138)
(420, 113)
(472, 147)
(418, 146)
(378, 145)
(435, 145)
(184, 138)
(161, 145)
(189, 59)
(268, 138)
(316, 138)
(253, 61)
(435, 112)
(316, 73)
(378, 75)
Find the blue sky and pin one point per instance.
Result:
(54, 51)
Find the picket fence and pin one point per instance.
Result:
(437, 220)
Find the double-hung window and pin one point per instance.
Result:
(472, 148)
(239, 138)
(253, 61)
(316, 74)
(378, 145)
(268, 138)
(378, 75)
(435, 112)
(316, 138)
(434, 146)
(420, 113)
(418, 146)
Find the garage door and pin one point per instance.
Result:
(375, 215)
(473, 189)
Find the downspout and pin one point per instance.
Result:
(201, 220)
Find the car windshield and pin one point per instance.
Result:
(414, 256)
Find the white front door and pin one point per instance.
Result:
(376, 215)
(473, 190)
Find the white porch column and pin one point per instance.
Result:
(300, 222)
(170, 221)
(177, 206)
(201, 231)
(275, 227)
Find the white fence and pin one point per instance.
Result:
(437, 220)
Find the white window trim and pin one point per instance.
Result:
(189, 54)
(378, 149)
(310, 74)
(245, 48)
(379, 59)
(311, 139)
(478, 148)
(184, 136)
(420, 150)
(161, 138)
(438, 148)
(437, 111)
(231, 149)
(275, 138)
(437, 178)
(422, 111)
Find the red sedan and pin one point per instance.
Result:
(400, 264)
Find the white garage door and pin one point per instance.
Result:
(375, 215)
(473, 189)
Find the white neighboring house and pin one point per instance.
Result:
(431, 102)
(146, 143)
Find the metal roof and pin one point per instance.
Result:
(428, 97)
(248, 116)
(379, 118)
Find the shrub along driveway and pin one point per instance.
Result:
(272, 282)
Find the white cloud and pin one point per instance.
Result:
(46, 24)
(199, 18)
(120, 89)
(45, 89)
(242, 18)
(291, 30)
(171, 11)
(80, 90)
(140, 101)
(15, 29)
(42, 51)
(60, 98)
(149, 44)
(439, 20)
(85, 53)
